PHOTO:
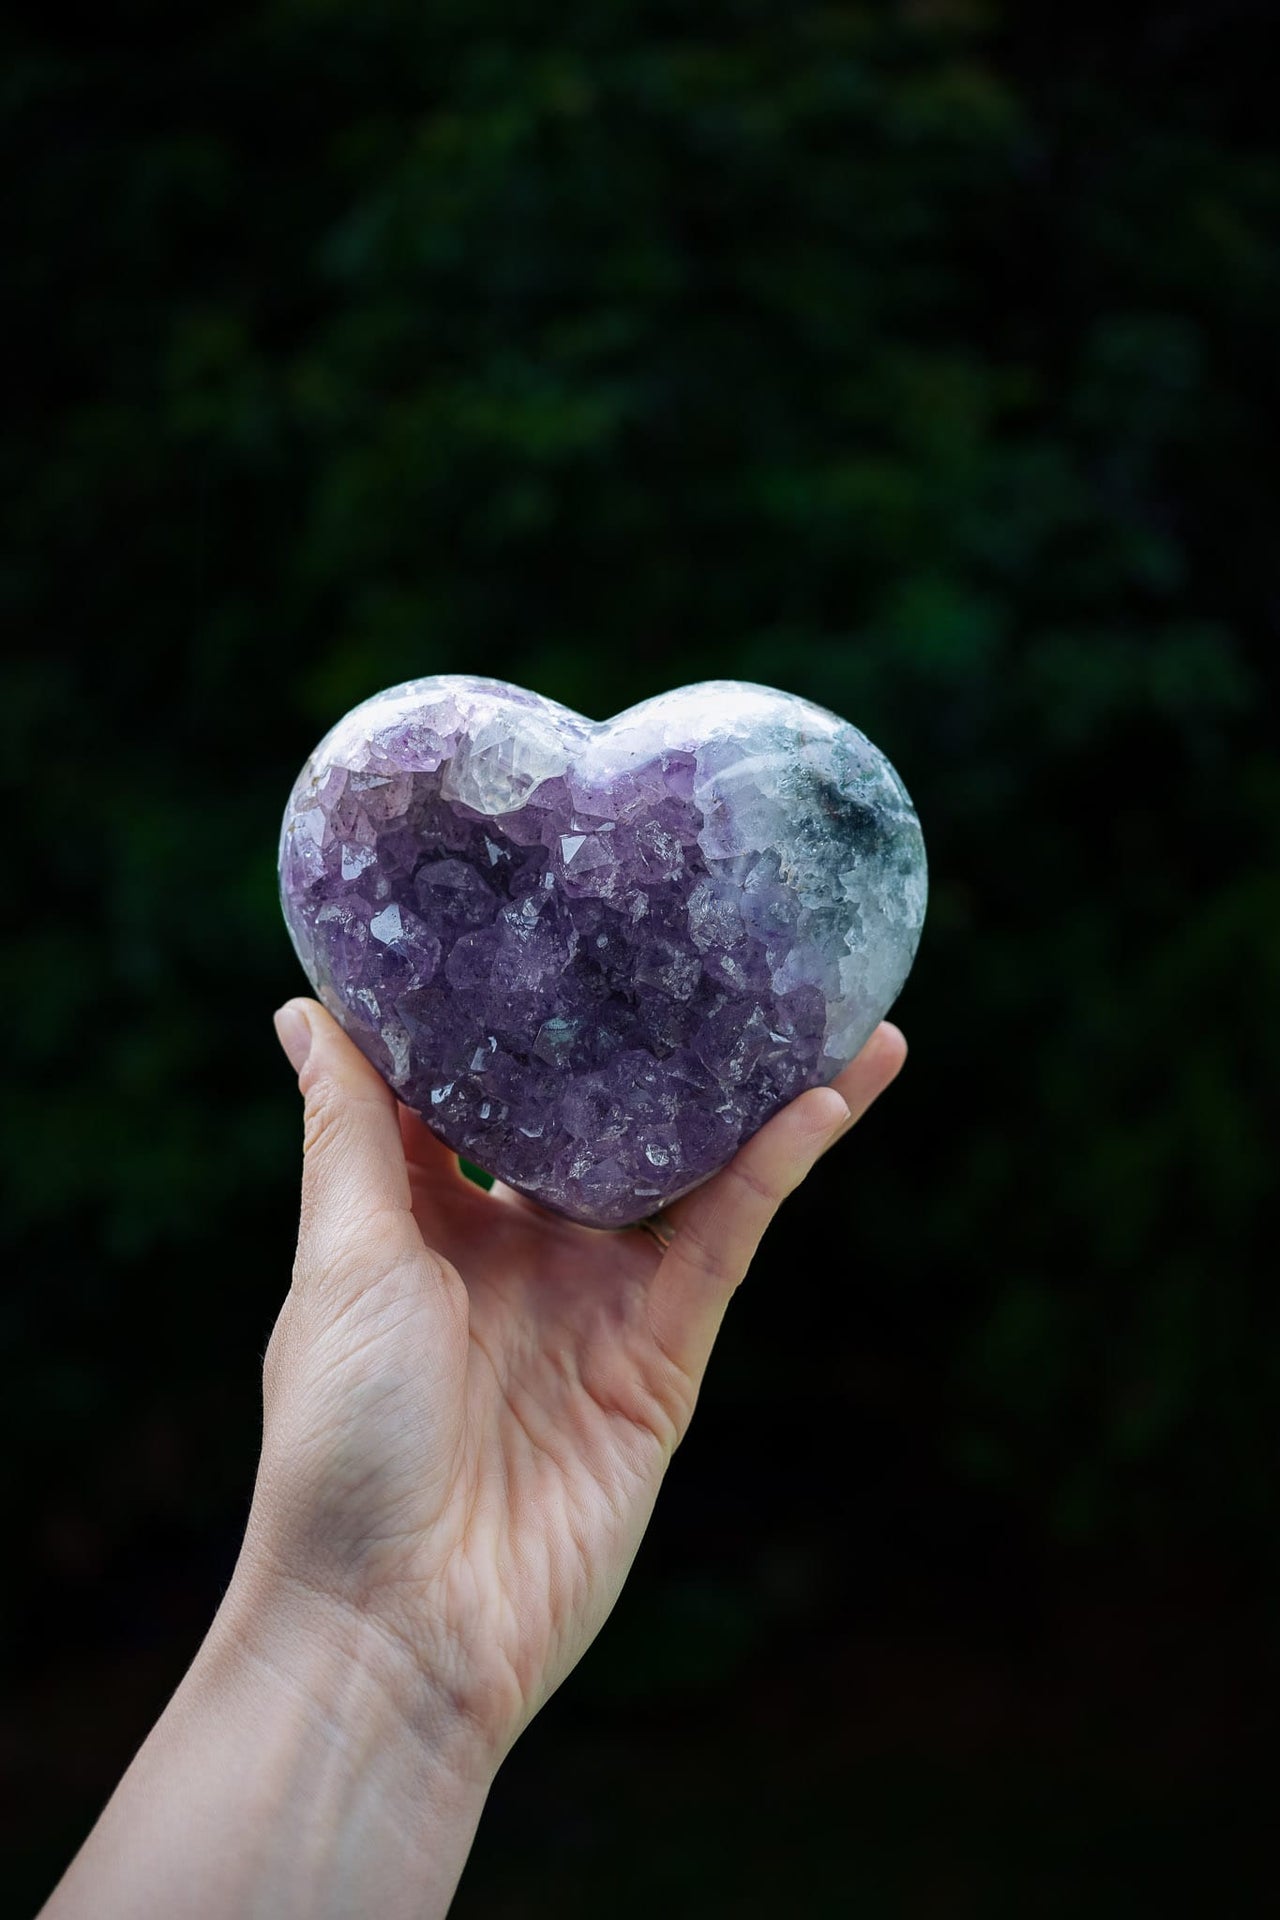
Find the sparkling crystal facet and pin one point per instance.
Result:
(596, 958)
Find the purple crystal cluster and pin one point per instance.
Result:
(596, 958)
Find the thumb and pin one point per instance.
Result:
(356, 1204)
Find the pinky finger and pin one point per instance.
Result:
(718, 1227)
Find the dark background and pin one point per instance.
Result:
(921, 359)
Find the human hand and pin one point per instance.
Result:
(471, 1402)
(469, 1407)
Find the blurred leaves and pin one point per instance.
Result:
(889, 354)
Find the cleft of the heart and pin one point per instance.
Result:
(596, 957)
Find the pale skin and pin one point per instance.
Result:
(469, 1407)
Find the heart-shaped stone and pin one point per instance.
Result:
(596, 958)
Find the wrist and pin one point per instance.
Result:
(293, 1775)
(356, 1681)
(368, 1789)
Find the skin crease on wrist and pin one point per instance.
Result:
(469, 1407)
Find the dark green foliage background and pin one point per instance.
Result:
(919, 358)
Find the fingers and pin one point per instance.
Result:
(866, 1078)
(355, 1189)
(428, 1156)
(444, 1200)
(719, 1226)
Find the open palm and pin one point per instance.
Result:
(470, 1402)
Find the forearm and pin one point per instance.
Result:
(291, 1774)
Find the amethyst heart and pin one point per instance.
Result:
(596, 958)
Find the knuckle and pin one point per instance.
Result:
(339, 1258)
(704, 1249)
(764, 1192)
(323, 1118)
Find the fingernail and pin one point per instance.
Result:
(293, 1030)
